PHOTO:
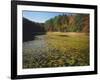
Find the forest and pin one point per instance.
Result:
(68, 23)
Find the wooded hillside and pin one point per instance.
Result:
(68, 23)
(30, 29)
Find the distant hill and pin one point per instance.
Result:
(30, 29)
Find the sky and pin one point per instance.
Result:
(40, 17)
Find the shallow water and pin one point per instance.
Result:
(38, 42)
